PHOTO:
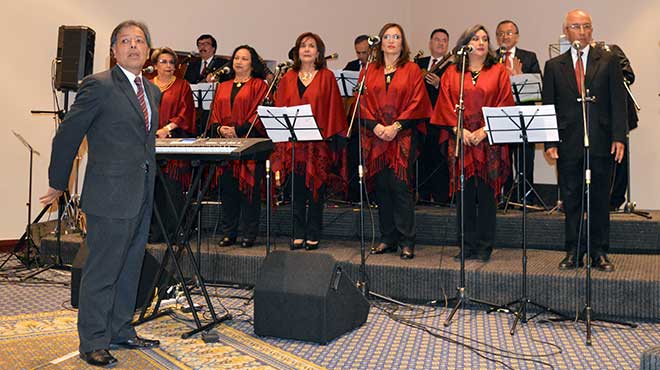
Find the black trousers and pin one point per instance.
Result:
(110, 277)
(571, 180)
(516, 157)
(307, 211)
(396, 209)
(620, 185)
(239, 210)
(433, 168)
(479, 215)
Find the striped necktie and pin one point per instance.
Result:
(143, 103)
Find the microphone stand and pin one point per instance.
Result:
(461, 297)
(362, 283)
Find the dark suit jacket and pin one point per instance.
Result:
(423, 63)
(629, 76)
(607, 116)
(193, 74)
(353, 65)
(121, 154)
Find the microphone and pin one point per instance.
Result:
(149, 69)
(223, 71)
(419, 54)
(286, 64)
(332, 56)
(576, 45)
(465, 49)
(374, 40)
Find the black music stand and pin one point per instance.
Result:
(290, 124)
(347, 81)
(522, 125)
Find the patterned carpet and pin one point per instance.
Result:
(411, 337)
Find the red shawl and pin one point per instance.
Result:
(405, 98)
(493, 89)
(177, 106)
(241, 113)
(313, 158)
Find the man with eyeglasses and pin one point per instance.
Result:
(200, 70)
(607, 122)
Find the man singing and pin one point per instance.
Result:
(607, 133)
(117, 110)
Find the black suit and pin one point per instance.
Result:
(193, 72)
(353, 65)
(607, 123)
(530, 64)
(433, 167)
(117, 197)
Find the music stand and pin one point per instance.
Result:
(290, 124)
(522, 125)
(347, 81)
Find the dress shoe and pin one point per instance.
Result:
(297, 244)
(469, 255)
(227, 241)
(100, 357)
(569, 262)
(137, 342)
(602, 263)
(310, 246)
(247, 243)
(407, 253)
(383, 248)
(483, 256)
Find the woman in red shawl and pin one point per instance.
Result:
(486, 166)
(394, 108)
(234, 109)
(177, 111)
(310, 82)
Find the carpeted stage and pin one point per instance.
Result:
(630, 292)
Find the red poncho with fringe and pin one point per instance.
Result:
(177, 106)
(314, 159)
(405, 99)
(241, 113)
(493, 89)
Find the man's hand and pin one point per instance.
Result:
(552, 153)
(51, 196)
(227, 131)
(162, 133)
(618, 149)
(432, 79)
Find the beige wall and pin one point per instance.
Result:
(29, 40)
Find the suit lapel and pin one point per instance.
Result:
(127, 89)
(593, 64)
(149, 91)
(568, 70)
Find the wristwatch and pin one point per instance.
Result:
(398, 126)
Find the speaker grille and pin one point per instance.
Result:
(75, 56)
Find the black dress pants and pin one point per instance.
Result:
(479, 216)
(307, 211)
(396, 209)
(239, 210)
(433, 168)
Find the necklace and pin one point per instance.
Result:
(389, 69)
(306, 76)
(240, 83)
(475, 75)
(164, 86)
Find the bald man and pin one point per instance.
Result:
(607, 133)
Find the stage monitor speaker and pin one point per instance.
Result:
(75, 56)
(150, 266)
(306, 296)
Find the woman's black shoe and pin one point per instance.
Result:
(312, 246)
(297, 244)
(247, 243)
(227, 241)
(383, 248)
(407, 253)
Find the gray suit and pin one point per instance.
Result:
(117, 197)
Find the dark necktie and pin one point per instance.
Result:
(143, 103)
(579, 72)
(204, 69)
(507, 55)
(433, 62)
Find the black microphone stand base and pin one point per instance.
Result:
(464, 301)
(520, 314)
(588, 317)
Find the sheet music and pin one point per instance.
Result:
(528, 86)
(204, 91)
(346, 80)
(300, 116)
(503, 124)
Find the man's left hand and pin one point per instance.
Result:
(618, 149)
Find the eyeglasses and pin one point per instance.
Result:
(396, 36)
(164, 61)
(577, 26)
(507, 33)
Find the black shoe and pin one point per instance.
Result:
(247, 243)
(100, 357)
(312, 246)
(137, 342)
(569, 262)
(602, 263)
(469, 255)
(227, 241)
(383, 248)
(483, 256)
(407, 253)
(297, 245)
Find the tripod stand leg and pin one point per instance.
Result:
(460, 299)
(520, 315)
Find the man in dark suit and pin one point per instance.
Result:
(361, 44)
(517, 61)
(117, 110)
(607, 131)
(433, 167)
(200, 70)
